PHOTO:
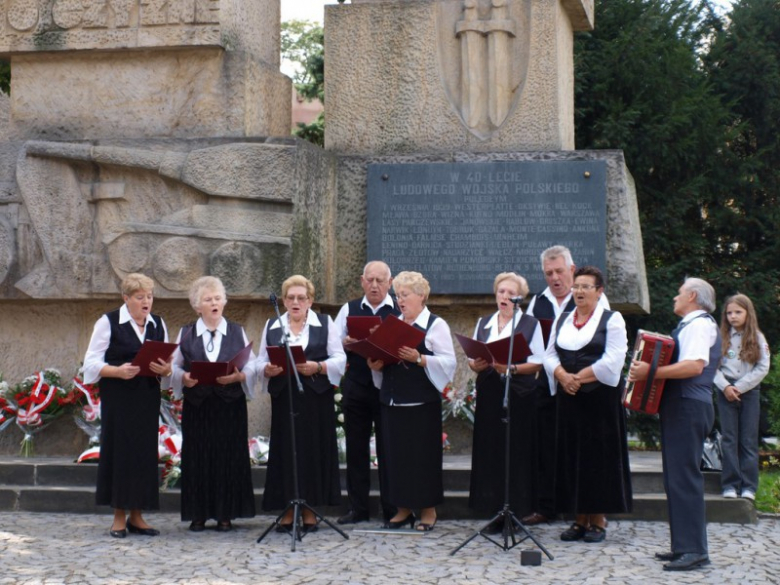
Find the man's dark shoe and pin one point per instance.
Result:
(534, 519)
(667, 556)
(687, 561)
(353, 518)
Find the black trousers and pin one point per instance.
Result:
(685, 424)
(546, 423)
(360, 405)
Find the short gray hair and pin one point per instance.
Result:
(384, 264)
(705, 294)
(556, 251)
(203, 284)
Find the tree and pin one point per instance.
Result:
(640, 87)
(303, 43)
(744, 66)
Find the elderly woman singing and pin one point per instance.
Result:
(411, 408)
(130, 407)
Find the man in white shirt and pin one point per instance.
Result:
(360, 398)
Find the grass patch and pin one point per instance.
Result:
(768, 496)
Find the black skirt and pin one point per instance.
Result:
(128, 478)
(592, 472)
(411, 437)
(318, 457)
(487, 458)
(216, 477)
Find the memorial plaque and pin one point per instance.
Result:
(460, 224)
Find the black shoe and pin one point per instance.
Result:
(308, 528)
(400, 523)
(224, 526)
(595, 534)
(118, 533)
(143, 531)
(426, 527)
(667, 556)
(687, 561)
(573, 532)
(285, 528)
(353, 518)
(197, 526)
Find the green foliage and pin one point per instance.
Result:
(645, 427)
(5, 77)
(640, 88)
(768, 494)
(303, 43)
(770, 388)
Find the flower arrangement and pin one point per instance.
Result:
(170, 439)
(258, 450)
(459, 403)
(87, 417)
(36, 401)
(7, 410)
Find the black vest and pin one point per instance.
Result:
(124, 345)
(191, 346)
(357, 367)
(520, 383)
(316, 350)
(698, 387)
(575, 360)
(544, 309)
(406, 383)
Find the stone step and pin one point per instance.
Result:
(56, 485)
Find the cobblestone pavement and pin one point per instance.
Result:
(76, 549)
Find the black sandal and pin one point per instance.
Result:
(595, 533)
(574, 532)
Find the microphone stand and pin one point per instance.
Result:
(296, 504)
(513, 527)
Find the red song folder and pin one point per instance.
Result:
(277, 355)
(206, 373)
(360, 327)
(150, 351)
(384, 343)
(495, 351)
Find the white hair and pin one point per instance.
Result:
(705, 294)
(555, 252)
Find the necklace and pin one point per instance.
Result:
(500, 326)
(294, 337)
(575, 320)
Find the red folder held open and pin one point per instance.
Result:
(495, 352)
(206, 373)
(150, 352)
(278, 355)
(384, 343)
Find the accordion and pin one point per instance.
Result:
(656, 350)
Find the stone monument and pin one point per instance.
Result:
(149, 136)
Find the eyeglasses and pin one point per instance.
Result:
(585, 287)
(300, 299)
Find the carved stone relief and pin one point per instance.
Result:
(486, 47)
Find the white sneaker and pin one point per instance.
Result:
(730, 493)
(748, 495)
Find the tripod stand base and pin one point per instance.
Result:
(513, 533)
(296, 531)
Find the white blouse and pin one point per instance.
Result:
(609, 367)
(440, 367)
(537, 340)
(201, 331)
(94, 360)
(337, 359)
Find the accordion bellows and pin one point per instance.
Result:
(656, 350)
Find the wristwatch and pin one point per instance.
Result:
(419, 360)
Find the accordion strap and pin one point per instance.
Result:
(651, 374)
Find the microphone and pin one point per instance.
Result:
(516, 300)
(272, 298)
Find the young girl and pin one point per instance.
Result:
(744, 364)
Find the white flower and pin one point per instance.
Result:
(337, 398)
(341, 418)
